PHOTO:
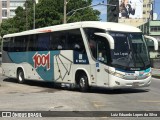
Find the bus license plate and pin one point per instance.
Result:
(135, 84)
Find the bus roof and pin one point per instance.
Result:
(108, 26)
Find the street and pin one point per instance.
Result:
(41, 96)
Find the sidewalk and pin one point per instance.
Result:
(156, 73)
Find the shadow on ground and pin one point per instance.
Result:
(51, 87)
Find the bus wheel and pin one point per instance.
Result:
(20, 76)
(83, 83)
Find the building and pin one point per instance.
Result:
(132, 12)
(8, 7)
(152, 28)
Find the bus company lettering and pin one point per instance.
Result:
(41, 60)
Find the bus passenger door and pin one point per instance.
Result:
(101, 52)
(101, 75)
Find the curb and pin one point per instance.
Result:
(156, 76)
(156, 73)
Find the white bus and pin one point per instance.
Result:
(82, 54)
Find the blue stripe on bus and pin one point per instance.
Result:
(145, 71)
(21, 57)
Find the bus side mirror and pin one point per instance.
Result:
(108, 37)
(154, 40)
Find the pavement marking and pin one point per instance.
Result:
(98, 104)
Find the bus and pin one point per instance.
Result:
(80, 54)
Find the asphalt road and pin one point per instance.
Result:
(40, 96)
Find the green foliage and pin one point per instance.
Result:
(48, 13)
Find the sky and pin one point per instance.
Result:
(156, 8)
(103, 9)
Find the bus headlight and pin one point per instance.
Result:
(115, 73)
(148, 74)
(119, 75)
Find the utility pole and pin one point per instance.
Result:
(26, 5)
(65, 8)
(34, 13)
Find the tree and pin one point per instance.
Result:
(15, 24)
(87, 14)
(7, 26)
(48, 13)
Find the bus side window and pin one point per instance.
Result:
(9, 44)
(58, 41)
(43, 42)
(75, 41)
(61, 44)
(20, 44)
(32, 43)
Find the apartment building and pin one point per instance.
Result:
(8, 7)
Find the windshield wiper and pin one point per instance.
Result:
(130, 56)
(139, 56)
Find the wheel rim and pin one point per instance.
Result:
(20, 76)
(82, 83)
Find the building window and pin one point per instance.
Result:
(12, 13)
(148, 5)
(4, 13)
(16, 3)
(4, 4)
(155, 29)
(148, 11)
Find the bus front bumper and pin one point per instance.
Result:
(116, 82)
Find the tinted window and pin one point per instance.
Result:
(43, 42)
(20, 44)
(58, 41)
(32, 46)
(75, 41)
(8, 44)
(67, 40)
(98, 45)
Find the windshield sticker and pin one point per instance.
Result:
(120, 53)
(118, 35)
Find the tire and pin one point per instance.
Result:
(83, 83)
(20, 76)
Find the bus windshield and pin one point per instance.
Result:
(130, 51)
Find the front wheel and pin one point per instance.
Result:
(20, 76)
(83, 83)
